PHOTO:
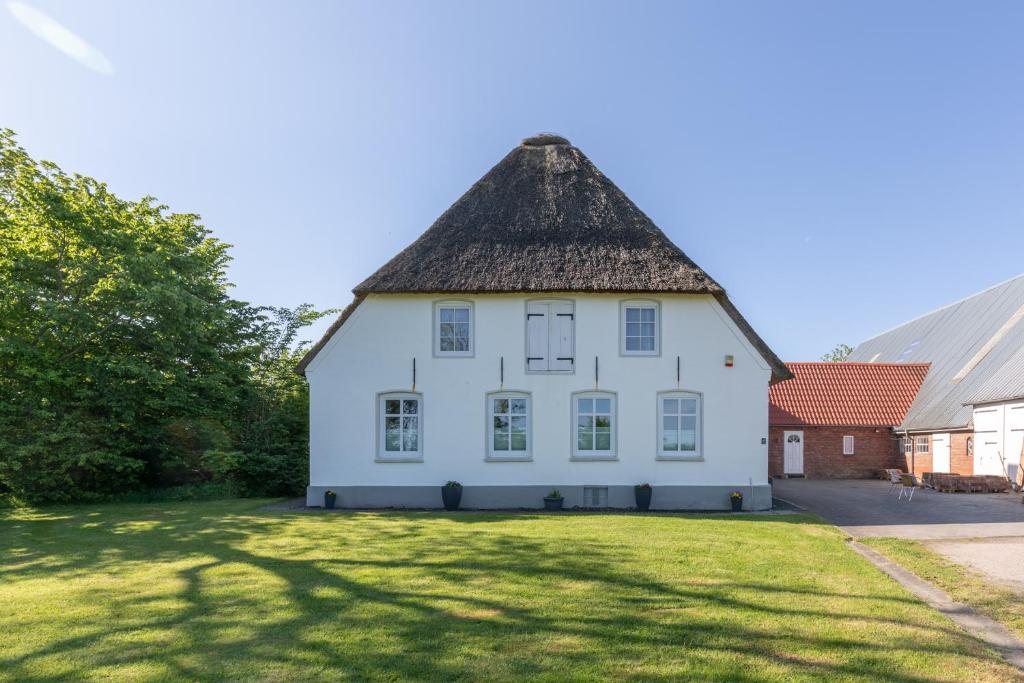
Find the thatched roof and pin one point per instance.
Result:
(545, 219)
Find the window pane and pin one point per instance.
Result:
(632, 315)
(633, 329)
(500, 423)
(501, 441)
(518, 442)
(647, 315)
(586, 405)
(462, 315)
(602, 441)
(585, 422)
(602, 422)
(410, 433)
(669, 435)
(519, 425)
(518, 406)
(392, 434)
(391, 407)
(410, 407)
(632, 343)
(647, 330)
(603, 405)
(501, 405)
(447, 315)
(647, 343)
(670, 406)
(689, 406)
(584, 439)
(687, 440)
(688, 422)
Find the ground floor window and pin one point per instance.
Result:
(679, 424)
(594, 420)
(847, 445)
(921, 444)
(508, 425)
(401, 426)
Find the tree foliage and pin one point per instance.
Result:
(124, 362)
(838, 354)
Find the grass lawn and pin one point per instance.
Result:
(962, 583)
(219, 590)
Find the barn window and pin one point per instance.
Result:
(847, 445)
(921, 444)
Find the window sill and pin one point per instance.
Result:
(508, 458)
(443, 354)
(592, 458)
(549, 372)
(640, 354)
(680, 458)
(400, 459)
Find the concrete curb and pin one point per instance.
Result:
(981, 627)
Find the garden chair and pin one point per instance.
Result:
(908, 482)
(894, 479)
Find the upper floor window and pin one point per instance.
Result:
(594, 421)
(639, 334)
(679, 424)
(509, 426)
(550, 330)
(453, 328)
(400, 426)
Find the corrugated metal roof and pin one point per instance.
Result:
(951, 339)
(848, 394)
(1007, 382)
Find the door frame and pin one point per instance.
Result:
(949, 451)
(785, 440)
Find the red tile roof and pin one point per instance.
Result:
(848, 394)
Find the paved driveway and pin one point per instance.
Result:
(864, 507)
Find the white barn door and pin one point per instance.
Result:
(793, 452)
(940, 452)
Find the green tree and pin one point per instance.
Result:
(838, 354)
(122, 357)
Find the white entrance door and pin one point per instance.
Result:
(793, 453)
(940, 452)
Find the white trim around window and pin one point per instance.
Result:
(680, 425)
(454, 333)
(399, 427)
(847, 445)
(640, 328)
(594, 425)
(509, 426)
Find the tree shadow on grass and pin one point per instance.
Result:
(417, 596)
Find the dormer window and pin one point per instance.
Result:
(453, 328)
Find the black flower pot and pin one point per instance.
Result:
(643, 497)
(329, 499)
(553, 503)
(452, 496)
(737, 504)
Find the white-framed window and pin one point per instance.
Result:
(640, 333)
(400, 426)
(905, 444)
(550, 336)
(679, 425)
(921, 444)
(453, 328)
(508, 426)
(593, 418)
(847, 445)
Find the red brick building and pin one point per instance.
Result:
(836, 420)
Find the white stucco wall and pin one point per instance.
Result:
(998, 429)
(374, 349)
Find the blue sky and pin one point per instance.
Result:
(838, 166)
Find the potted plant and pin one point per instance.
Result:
(643, 496)
(329, 498)
(451, 494)
(736, 498)
(554, 500)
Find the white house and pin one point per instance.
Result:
(543, 333)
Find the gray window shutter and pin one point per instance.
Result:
(560, 338)
(537, 337)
